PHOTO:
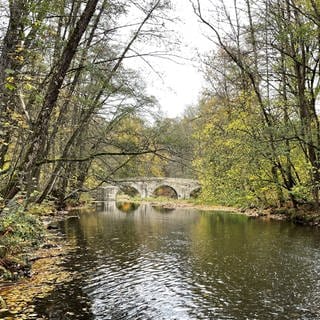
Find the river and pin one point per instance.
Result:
(143, 262)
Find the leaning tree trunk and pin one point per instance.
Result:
(36, 147)
(9, 69)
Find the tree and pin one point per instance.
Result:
(80, 80)
(271, 51)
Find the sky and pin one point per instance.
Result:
(183, 81)
(179, 84)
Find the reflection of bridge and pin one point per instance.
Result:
(146, 187)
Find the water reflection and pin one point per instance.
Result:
(187, 265)
(162, 209)
(127, 207)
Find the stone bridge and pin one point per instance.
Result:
(146, 187)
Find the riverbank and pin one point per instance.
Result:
(175, 204)
(17, 298)
(304, 215)
(34, 268)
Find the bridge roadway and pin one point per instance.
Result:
(146, 186)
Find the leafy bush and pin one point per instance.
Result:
(19, 232)
(44, 208)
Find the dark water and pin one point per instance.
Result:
(147, 263)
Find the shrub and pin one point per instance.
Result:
(19, 232)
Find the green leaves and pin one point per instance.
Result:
(21, 230)
(9, 71)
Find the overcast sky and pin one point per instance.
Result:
(180, 83)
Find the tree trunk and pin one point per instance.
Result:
(37, 141)
(9, 68)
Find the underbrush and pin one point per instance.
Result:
(19, 233)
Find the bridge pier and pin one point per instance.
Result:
(107, 193)
(182, 194)
(106, 205)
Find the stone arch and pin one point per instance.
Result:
(130, 189)
(172, 190)
(194, 193)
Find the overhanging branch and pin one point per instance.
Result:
(100, 154)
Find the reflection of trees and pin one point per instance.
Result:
(69, 296)
(227, 262)
(110, 234)
(245, 262)
(162, 209)
(98, 239)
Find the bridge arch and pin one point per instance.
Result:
(194, 193)
(165, 190)
(130, 190)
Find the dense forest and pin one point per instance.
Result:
(74, 116)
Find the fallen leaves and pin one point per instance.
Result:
(47, 272)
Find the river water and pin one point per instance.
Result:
(143, 262)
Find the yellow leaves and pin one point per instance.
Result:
(10, 83)
(37, 23)
(26, 83)
(28, 86)
(16, 116)
(19, 49)
(47, 273)
(10, 79)
(207, 129)
(10, 86)
(19, 120)
(19, 59)
(224, 150)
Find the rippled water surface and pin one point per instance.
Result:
(148, 263)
